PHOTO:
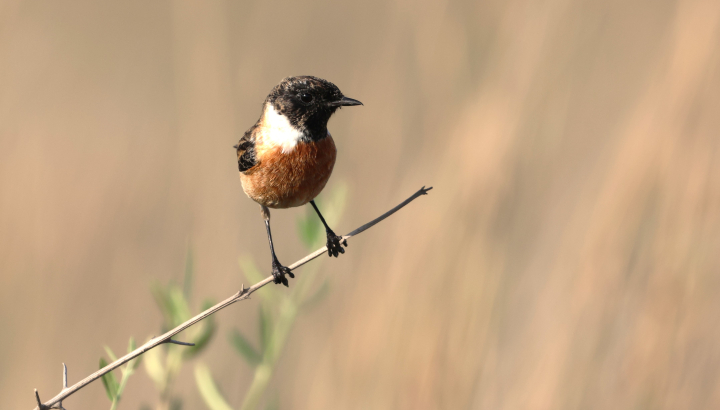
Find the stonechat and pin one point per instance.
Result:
(286, 158)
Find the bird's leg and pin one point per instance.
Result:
(278, 270)
(334, 242)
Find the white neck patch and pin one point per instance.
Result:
(278, 131)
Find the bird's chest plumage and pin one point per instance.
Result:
(288, 175)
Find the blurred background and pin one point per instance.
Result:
(568, 257)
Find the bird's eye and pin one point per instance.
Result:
(306, 98)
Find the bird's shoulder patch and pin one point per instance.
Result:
(246, 150)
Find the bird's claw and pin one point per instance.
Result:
(334, 244)
(279, 271)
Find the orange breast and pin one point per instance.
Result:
(285, 180)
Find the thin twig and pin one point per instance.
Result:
(40, 406)
(175, 342)
(240, 295)
(60, 406)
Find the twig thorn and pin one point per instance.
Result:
(176, 342)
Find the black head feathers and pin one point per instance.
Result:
(308, 103)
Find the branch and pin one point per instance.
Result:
(167, 337)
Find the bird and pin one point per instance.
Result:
(286, 158)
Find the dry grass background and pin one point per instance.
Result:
(568, 257)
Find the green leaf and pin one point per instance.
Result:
(154, 366)
(179, 306)
(134, 363)
(273, 404)
(162, 299)
(335, 206)
(176, 403)
(265, 321)
(250, 269)
(206, 333)
(319, 295)
(110, 353)
(208, 389)
(172, 303)
(189, 270)
(244, 347)
(109, 381)
(309, 228)
(253, 275)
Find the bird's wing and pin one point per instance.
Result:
(246, 150)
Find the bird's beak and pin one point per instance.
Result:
(345, 101)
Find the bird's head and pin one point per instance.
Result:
(307, 102)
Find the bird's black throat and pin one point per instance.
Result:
(310, 121)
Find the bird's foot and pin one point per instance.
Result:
(279, 271)
(334, 244)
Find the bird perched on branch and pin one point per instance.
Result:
(286, 158)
